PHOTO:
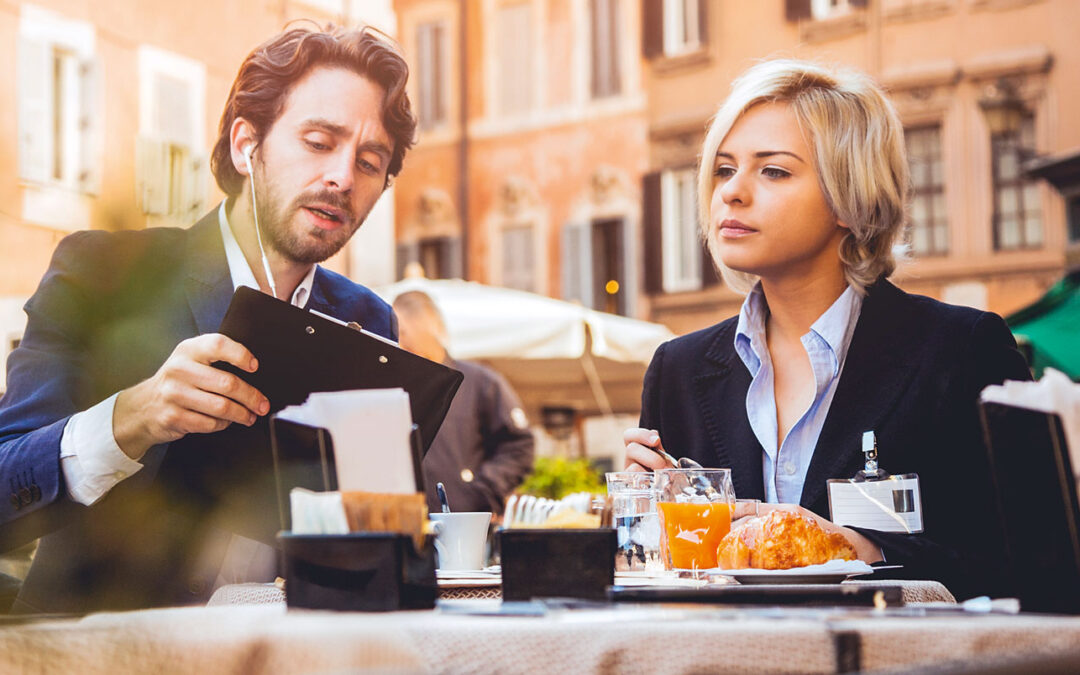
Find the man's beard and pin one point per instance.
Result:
(312, 245)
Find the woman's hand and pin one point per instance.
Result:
(639, 453)
(865, 550)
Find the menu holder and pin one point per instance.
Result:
(556, 563)
(1037, 508)
(360, 571)
(304, 457)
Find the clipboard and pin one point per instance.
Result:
(301, 352)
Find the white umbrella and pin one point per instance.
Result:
(553, 352)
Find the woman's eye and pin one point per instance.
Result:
(724, 171)
(774, 172)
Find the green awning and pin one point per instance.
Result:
(1049, 329)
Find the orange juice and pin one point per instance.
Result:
(692, 532)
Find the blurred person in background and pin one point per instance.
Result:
(484, 448)
(802, 192)
(118, 436)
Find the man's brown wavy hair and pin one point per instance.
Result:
(271, 70)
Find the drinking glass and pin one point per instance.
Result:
(633, 510)
(695, 507)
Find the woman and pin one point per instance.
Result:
(802, 189)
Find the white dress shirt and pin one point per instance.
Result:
(90, 459)
(784, 467)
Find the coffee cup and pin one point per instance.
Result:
(460, 539)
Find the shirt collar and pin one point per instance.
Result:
(241, 272)
(837, 324)
(750, 329)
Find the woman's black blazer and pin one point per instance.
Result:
(913, 374)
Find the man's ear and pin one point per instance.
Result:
(241, 138)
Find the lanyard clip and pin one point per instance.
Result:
(870, 468)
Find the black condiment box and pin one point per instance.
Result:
(551, 563)
(360, 571)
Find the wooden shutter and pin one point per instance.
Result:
(89, 175)
(577, 263)
(703, 22)
(652, 27)
(796, 10)
(709, 275)
(405, 253)
(652, 228)
(35, 109)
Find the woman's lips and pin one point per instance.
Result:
(733, 229)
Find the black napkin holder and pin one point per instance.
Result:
(360, 571)
(556, 563)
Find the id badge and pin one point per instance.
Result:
(892, 504)
(875, 500)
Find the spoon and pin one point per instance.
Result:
(441, 492)
(670, 460)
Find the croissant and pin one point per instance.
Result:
(780, 540)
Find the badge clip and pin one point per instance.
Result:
(870, 471)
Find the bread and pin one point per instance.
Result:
(780, 540)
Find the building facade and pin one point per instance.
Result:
(115, 110)
(531, 148)
(984, 88)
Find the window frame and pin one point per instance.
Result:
(936, 221)
(1014, 140)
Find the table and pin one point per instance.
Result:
(912, 591)
(623, 639)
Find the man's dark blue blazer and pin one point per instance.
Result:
(107, 314)
(913, 374)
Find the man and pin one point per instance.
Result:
(484, 448)
(117, 432)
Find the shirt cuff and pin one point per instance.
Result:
(90, 459)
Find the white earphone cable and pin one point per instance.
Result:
(255, 214)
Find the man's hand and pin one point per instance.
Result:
(188, 395)
(639, 453)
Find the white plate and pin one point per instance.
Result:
(832, 572)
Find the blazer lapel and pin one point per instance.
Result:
(877, 371)
(208, 284)
(321, 299)
(720, 390)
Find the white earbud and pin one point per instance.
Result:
(248, 149)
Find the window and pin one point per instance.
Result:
(518, 259)
(683, 23)
(1017, 212)
(609, 292)
(57, 96)
(438, 257)
(680, 246)
(1073, 216)
(514, 65)
(604, 23)
(929, 220)
(171, 164)
(824, 9)
(432, 71)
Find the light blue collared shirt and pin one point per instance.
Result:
(826, 344)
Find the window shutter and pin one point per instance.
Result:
(406, 253)
(652, 27)
(652, 225)
(89, 129)
(796, 10)
(152, 175)
(35, 109)
(703, 22)
(450, 258)
(709, 275)
(577, 263)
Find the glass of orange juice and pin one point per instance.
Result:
(695, 507)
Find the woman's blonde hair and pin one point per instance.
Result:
(858, 145)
